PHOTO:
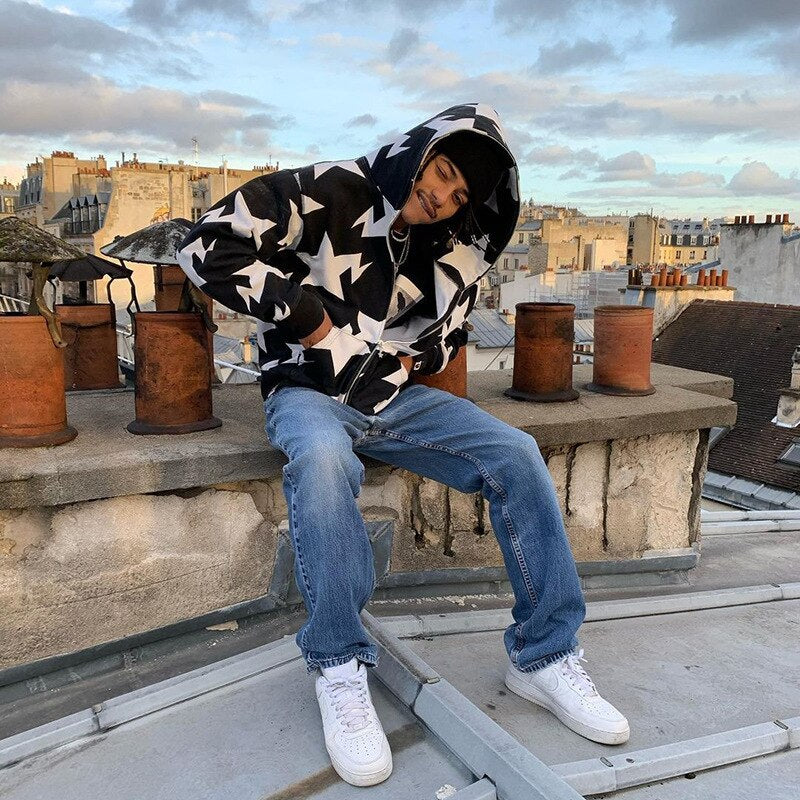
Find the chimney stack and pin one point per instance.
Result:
(751, 220)
(785, 219)
(737, 220)
(789, 401)
(769, 219)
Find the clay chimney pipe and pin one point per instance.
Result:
(769, 219)
(544, 336)
(785, 219)
(623, 350)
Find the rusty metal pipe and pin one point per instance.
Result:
(90, 358)
(544, 338)
(623, 345)
(173, 378)
(33, 407)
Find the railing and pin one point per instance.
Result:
(10, 304)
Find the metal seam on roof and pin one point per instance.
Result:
(597, 611)
(639, 767)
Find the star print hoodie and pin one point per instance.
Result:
(288, 246)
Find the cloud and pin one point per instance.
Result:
(404, 42)
(31, 28)
(564, 56)
(69, 48)
(220, 97)
(362, 121)
(719, 20)
(575, 172)
(410, 9)
(161, 16)
(169, 118)
(630, 166)
(756, 178)
(692, 21)
(560, 154)
(785, 51)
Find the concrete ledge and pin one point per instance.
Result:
(107, 461)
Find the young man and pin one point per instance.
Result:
(361, 272)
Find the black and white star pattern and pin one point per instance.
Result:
(290, 246)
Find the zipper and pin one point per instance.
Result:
(376, 349)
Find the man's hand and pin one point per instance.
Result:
(319, 334)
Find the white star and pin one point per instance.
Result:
(444, 126)
(309, 204)
(242, 222)
(256, 274)
(295, 228)
(326, 268)
(324, 166)
(398, 146)
(485, 110)
(370, 328)
(186, 260)
(466, 261)
(380, 227)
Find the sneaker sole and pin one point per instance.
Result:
(361, 778)
(594, 734)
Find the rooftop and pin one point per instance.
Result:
(230, 712)
(752, 343)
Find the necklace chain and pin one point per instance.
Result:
(406, 240)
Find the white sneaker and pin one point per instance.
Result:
(567, 691)
(354, 735)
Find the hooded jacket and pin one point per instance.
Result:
(288, 246)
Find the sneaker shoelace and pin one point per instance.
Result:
(350, 702)
(577, 676)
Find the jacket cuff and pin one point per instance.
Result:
(307, 315)
(426, 363)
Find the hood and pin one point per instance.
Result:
(394, 166)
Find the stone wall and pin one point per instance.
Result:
(78, 574)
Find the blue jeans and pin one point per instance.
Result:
(450, 440)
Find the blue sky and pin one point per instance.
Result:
(691, 108)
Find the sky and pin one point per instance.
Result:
(684, 107)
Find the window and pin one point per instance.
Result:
(691, 255)
(502, 365)
(196, 214)
(792, 455)
(521, 238)
(705, 254)
(692, 240)
(677, 255)
(505, 263)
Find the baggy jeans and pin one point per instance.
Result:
(443, 437)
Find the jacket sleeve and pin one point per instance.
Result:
(241, 253)
(436, 358)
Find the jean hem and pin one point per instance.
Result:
(365, 656)
(546, 661)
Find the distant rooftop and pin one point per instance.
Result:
(489, 328)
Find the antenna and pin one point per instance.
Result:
(194, 142)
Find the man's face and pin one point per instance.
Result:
(437, 194)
